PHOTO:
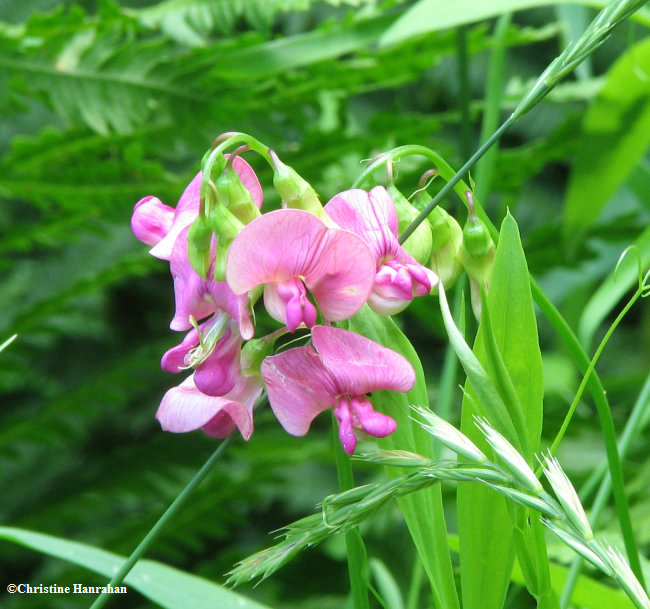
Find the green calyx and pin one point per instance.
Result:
(226, 226)
(447, 240)
(235, 196)
(199, 237)
(294, 190)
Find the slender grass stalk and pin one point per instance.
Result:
(356, 550)
(634, 426)
(170, 512)
(592, 365)
(464, 92)
(415, 585)
(492, 106)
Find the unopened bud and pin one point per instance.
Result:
(477, 256)
(235, 196)
(294, 190)
(419, 243)
(254, 352)
(447, 239)
(199, 237)
(226, 226)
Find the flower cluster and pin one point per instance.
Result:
(313, 266)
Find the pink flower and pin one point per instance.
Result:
(337, 371)
(159, 225)
(215, 355)
(185, 408)
(198, 298)
(292, 251)
(372, 216)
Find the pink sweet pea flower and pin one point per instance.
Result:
(185, 408)
(198, 298)
(372, 216)
(292, 251)
(215, 355)
(159, 225)
(337, 371)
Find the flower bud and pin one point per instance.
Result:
(235, 196)
(226, 226)
(294, 190)
(419, 243)
(477, 256)
(447, 239)
(199, 237)
(254, 352)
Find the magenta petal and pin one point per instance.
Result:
(151, 220)
(185, 408)
(174, 359)
(372, 422)
(359, 365)
(218, 374)
(346, 432)
(298, 386)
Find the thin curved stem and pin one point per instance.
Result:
(170, 512)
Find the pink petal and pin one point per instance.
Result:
(286, 244)
(218, 374)
(185, 408)
(275, 247)
(396, 283)
(344, 417)
(186, 212)
(151, 220)
(202, 297)
(287, 302)
(372, 422)
(371, 215)
(298, 387)
(342, 275)
(174, 359)
(359, 365)
(188, 206)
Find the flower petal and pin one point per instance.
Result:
(371, 215)
(359, 365)
(151, 220)
(274, 247)
(342, 274)
(185, 408)
(299, 388)
(218, 374)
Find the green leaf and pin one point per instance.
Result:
(616, 135)
(168, 587)
(433, 15)
(507, 345)
(423, 511)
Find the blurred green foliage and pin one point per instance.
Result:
(103, 103)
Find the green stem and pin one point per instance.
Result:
(454, 180)
(590, 369)
(356, 550)
(464, 92)
(492, 109)
(606, 422)
(171, 511)
(415, 584)
(633, 427)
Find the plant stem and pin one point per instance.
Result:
(170, 512)
(356, 550)
(464, 95)
(634, 426)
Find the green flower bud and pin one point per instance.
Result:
(199, 237)
(477, 256)
(235, 196)
(447, 239)
(254, 352)
(226, 226)
(419, 243)
(294, 190)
